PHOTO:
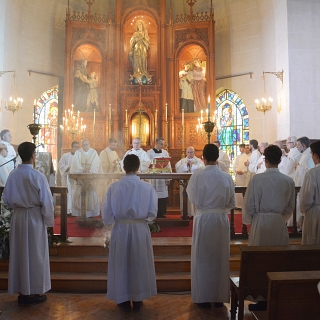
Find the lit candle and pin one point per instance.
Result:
(94, 116)
(126, 118)
(183, 117)
(207, 114)
(166, 112)
(209, 108)
(109, 112)
(156, 119)
(34, 110)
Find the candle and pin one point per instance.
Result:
(126, 118)
(183, 117)
(209, 108)
(207, 114)
(34, 110)
(166, 112)
(156, 119)
(109, 112)
(94, 116)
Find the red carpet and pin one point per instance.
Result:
(74, 230)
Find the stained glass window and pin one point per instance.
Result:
(232, 123)
(46, 111)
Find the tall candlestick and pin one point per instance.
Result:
(183, 117)
(109, 112)
(209, 108)
(166, 112)
(94, 116)
(126, 118)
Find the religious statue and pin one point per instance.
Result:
(92, 99)
(199, 86)
(139, 45)
(185, 84)
(81, 86)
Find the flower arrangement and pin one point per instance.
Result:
(5, 218)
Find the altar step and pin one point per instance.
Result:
(81, 266)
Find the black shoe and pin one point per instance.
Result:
(31, 300)
(218, 304)
(125, 305)
(205, 305)
(137, 305)
(260, 306)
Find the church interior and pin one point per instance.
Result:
(101, 69)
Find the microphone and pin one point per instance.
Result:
(13, 159)
(41, 144)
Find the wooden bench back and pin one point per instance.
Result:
(257, 261)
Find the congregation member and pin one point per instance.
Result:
(240, 172)
(86, 160)
(64, 166)
(140, 153)
(223, 160)
(4, 171)
(261, 166)
(305, 164)
(6, 139)
(252, 162)
(189, 164)
(128, 203)
(108, 158)
(310, 200)
(293, 155)
(27, 192)
(283, 165)
(267, 205)
(212, 192)
(160, 185)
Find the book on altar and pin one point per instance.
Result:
(160, 163)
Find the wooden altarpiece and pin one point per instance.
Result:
(103, 41)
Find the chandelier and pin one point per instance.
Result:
(72, 124)
(265, 104)
(15, 102)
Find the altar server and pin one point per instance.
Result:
(223, 160)
(189, 164)
(64, 166)
(86, 160)
(129, 202)
(27, 192)
(140, 153)
(268, 203)
(160, 185)
(253, 161)
(261, 165)
(310, 200)
(293, 155)
(4, 171)
(6, 139)
(212, 192)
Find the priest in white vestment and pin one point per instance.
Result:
(223, 160)
(293, 156)
(64, 166)
(305, 164)
(253, 161)
(109, 158)
(189, 164)
(212, 192)
(160, 185)
(240, 172)
(86, 160)
(128, 203)
(268, 203)
(4, 171)
(28, 193)
(140, 153)
(261, 165)
(310, 200)
(283, 165)
(6, 138)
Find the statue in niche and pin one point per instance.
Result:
(81, 86)
(139, 45)
(92, 99)
(199, 86)
(185, 84)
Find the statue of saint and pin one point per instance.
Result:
(92, 99)
(81, 86)
(139, 45)
(199, 86)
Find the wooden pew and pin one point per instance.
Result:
(292, 295)
(257, 261)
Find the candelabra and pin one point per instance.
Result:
(15, 102)
(72, 124)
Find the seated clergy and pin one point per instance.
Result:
(189, 164)
(86, 160)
